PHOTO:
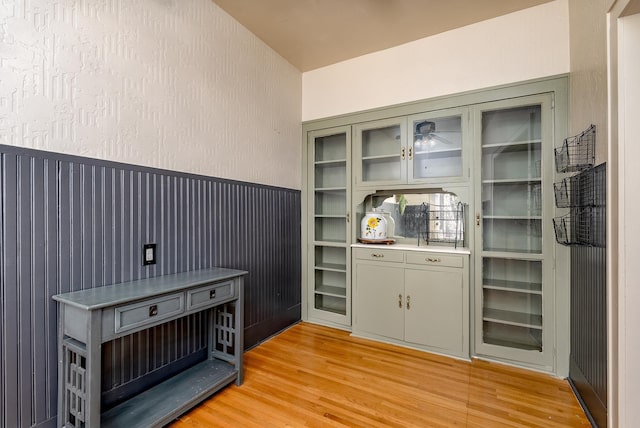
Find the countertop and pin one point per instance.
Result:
(407, 247)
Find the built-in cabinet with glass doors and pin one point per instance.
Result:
(514, 251)
(328, 208)
(422, 148)
(496, 149)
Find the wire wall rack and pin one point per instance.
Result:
(581, 190)
(583, 193)
(442, 224)
(583, 226)
(577, 153)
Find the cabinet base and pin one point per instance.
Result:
(389, 341)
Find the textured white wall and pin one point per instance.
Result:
(175, 84)
(528, 44)
(588, 90)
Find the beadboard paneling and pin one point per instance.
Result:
(588, 357)
(71, 223)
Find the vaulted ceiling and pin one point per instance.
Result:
(314, 33)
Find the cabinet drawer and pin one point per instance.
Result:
(148, 312)
(380, 255)
(209, 295)
(435, 259)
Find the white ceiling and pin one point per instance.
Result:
(314, 33)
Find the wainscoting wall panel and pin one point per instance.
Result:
(71, 223)
(588, 358)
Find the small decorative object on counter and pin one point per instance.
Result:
(374, 226)
(391, 224)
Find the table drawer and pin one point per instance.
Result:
(379, 255)
(210, 295)
(435, 259)
(148, 312)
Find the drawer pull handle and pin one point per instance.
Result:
(400, 301)
(377, 255)
(432, 260)
(408, 302)
(212, 294)
(153, 310)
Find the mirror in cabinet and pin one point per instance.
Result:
(428, 218)
(329, 180)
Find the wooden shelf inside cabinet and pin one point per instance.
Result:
(532, 180)
(336, 244)
(510, 339)
(510, 146)
(439, 153)
(330, 290)
(512, 217)
(330, 162)
(504, 252)
(513, 286)
(381, 158)
(334, 267)
(330, 189)
(513, 318)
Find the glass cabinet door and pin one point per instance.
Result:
(512, 256)
(435, 149)
(381, 152)
(329, 177)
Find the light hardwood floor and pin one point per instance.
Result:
(313, 376)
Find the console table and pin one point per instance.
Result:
(89, 318)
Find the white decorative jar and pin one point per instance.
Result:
(373, 226)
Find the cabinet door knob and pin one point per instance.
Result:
(477, 219)
(410, 152)
(402, 151)
(400, 301)
(408, 302)
(348, 216)
(212, 294)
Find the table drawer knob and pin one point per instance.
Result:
(212, 294)
(153, 310)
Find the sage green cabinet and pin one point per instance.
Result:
(514, 243)
(438, 149)
(381, 152)
(417, 299)
(329, 179)
(417, 149)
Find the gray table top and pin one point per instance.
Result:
(116, 294)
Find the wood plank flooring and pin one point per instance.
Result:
(313, 376)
